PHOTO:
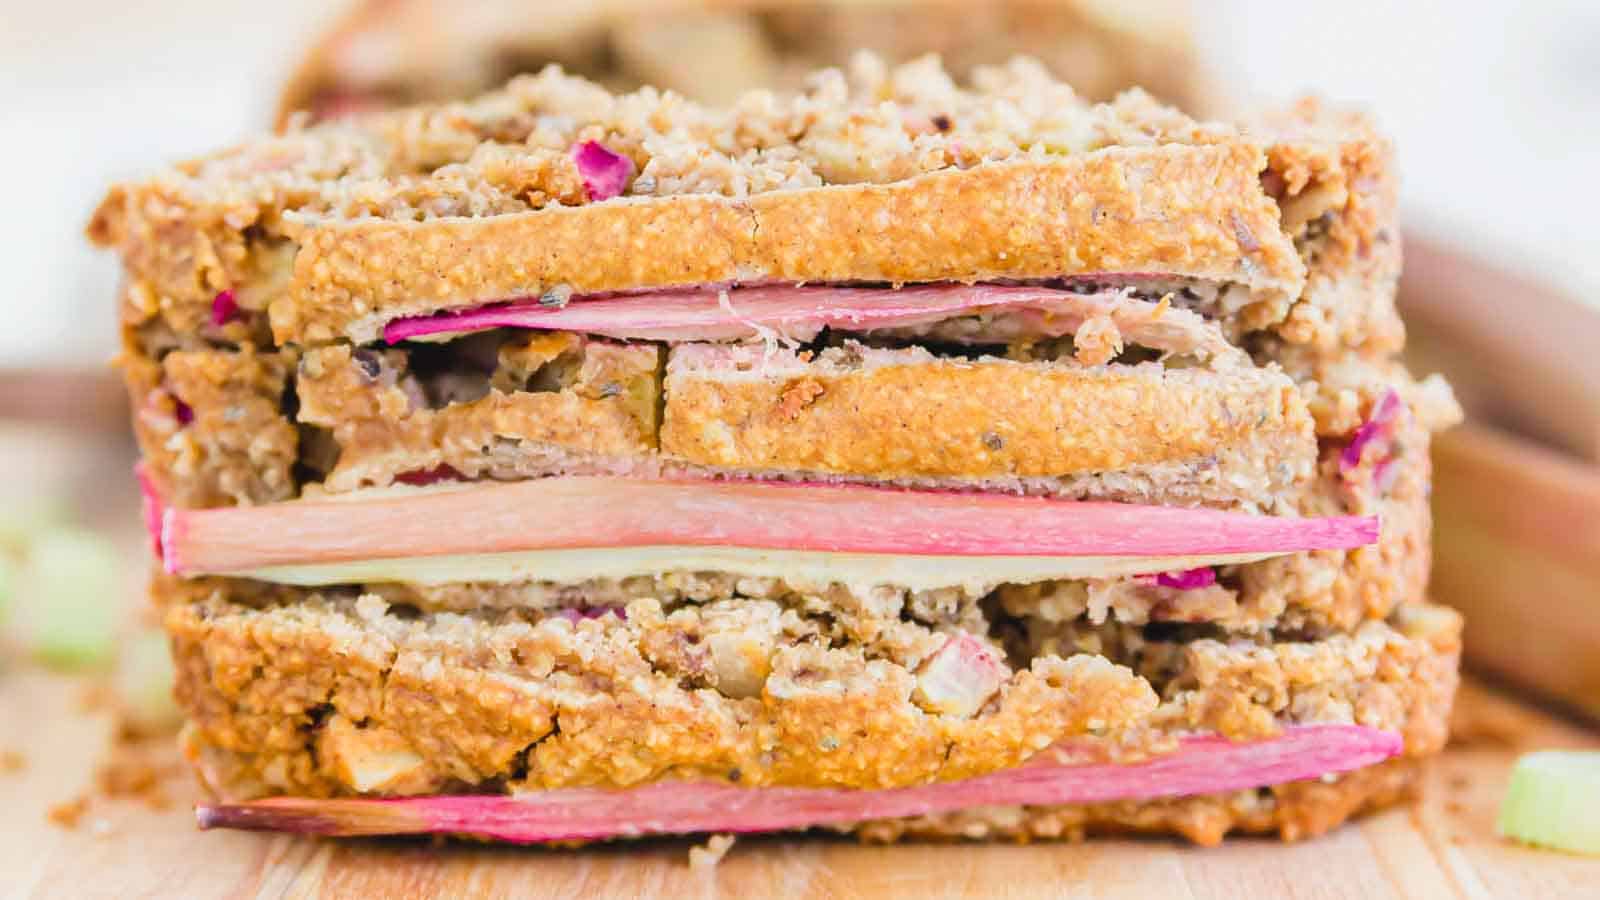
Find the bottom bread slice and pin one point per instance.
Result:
(1293, 808)
(327, 697)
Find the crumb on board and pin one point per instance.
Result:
(711, 852)
(69, 812)
(137, 770)
(95, 696)
(12, 761)
(135, 777)
(128, 729)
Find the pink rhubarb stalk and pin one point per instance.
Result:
(605, 173)
(1201, 765)
(605, 512)
(1187, 580)
(151, 505)
(721, 314)
(224, 308)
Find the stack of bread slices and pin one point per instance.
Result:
(895, 457)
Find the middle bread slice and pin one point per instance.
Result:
(1079, 395)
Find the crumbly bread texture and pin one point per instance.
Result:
(880, 176)
(373, 434)
(391, 52)
(211, 424)
(556, 394)
(350, 696)
(1310, 593)
(1334, 179)
(242, 426)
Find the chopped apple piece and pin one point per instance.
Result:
(960, 677)
(741, 663)
(372, 760)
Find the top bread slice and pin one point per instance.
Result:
(881, 176)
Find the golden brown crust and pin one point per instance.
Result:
(417, 210)
(1072, 216)
(1224, 436)
(486, 700)
(906, 414)
(350, 278)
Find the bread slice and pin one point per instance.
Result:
(1148, 408)
(344, 696)
(554, 402)
(559, 403)
(331, 232)
(1310, 592)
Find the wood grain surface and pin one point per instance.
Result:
(1443, 847)
(1516, 548)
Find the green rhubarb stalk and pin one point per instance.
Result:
(144, 679)
(70, 601)
(1554, 801)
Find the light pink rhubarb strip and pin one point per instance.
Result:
(1202, 765)
(151, 505)
(604, 512)
(719, 314)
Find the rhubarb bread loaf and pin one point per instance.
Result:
(894, 456)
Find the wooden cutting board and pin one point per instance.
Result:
(1443, 847)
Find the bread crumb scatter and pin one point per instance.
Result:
(706, 855)
(68, 813)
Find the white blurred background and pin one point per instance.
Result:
(1496, 108)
